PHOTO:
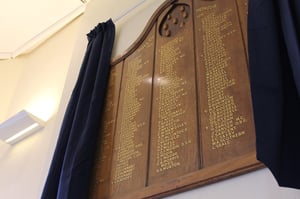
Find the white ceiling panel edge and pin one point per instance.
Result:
(43, 35)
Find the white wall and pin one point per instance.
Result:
(34, 82)
(255, 185)
(10, 72)
(46, 74)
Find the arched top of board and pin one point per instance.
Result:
(168, 7)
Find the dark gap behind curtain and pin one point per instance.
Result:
(274, 58)
(71, 166)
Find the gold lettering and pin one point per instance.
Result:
(222, 109)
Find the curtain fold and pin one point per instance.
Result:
(274, 59)
(70, 170)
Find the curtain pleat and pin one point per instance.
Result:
(71, 166)
(274, 59)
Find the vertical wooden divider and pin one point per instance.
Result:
(243, 14)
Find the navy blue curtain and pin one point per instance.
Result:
(71, 166)
(274, 58)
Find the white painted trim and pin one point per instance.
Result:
(43, 35)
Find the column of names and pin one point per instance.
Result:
(171, 127)
(222, 109)
(128, 148)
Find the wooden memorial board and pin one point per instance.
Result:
(178, 113)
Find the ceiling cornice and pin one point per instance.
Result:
(37, 39)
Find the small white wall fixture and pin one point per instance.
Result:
(19, 127)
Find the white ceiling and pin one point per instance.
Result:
(25, 24)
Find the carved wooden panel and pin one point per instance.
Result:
(225, 106)
(174, 113)
(178, 113)
(130, 155)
